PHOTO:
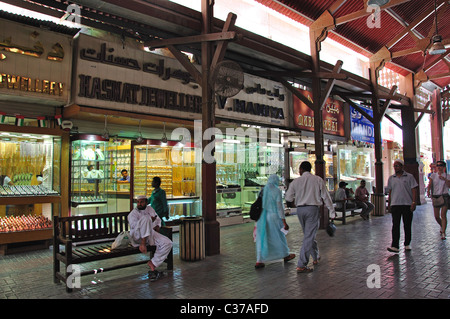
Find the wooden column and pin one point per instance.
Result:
(378, 146)
(316, 35)
(212, 227)
(409, 144)
(436, 127)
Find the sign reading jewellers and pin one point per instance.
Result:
(332, 115)
(35, 64)
(121, 75)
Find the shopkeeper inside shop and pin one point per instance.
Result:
(125, 177)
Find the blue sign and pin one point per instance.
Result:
(362, 128)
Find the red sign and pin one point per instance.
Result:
(332, 113)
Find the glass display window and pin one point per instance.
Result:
(175, 165)
(89, 174)
(297, 156)
(356, 164)
(242, 170)
(29, 164)
(30, 183)
(295, 159)
(119, 166)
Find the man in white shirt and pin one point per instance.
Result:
(309, 192)
(402, 188)
(144, 230)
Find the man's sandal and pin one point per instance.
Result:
(304, 269)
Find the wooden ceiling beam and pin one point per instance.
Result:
(221, 36)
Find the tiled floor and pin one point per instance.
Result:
(345, 270)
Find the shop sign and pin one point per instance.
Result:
(121, 75)
(34, 63)
(115, 75)
(261, 101)
(332, 113)
(362, 128)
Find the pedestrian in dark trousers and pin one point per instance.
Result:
(402, 188)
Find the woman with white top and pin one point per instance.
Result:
(439, 185)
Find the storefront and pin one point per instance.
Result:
(34, 83)
(301, 148)
(126, 106)
(357, 161)
(250, 145)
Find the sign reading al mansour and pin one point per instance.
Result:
(121, 75)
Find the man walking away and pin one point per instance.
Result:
(309, 192)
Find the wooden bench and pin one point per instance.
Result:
(344, 210)
(92, 236)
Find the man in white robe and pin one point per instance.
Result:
(144, 230)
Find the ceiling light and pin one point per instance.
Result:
(140, 138)
(438, 47)
(377, 2)
(105, 134)
(164, 137)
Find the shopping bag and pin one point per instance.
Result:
(331, 229)
(122, 241)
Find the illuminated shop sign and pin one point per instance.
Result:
(362, 128)
(34, 63)
(332, 113)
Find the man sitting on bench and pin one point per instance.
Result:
(144, 230)
(342, 196)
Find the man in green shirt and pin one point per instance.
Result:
(158, 200)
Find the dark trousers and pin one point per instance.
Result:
(399, 212)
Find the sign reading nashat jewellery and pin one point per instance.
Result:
(121, 75)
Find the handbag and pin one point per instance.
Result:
(331, 228)
(256, 209)
(438, 201)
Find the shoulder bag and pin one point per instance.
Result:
(256, 208)
(438, 200)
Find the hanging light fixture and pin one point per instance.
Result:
(164, 137)
(105, 134)
(438, 47)
(139, 139)
(377, 2)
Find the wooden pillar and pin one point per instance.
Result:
(409, 144)
(436, 127)
(377, 119)
(315, 41)
(212, 227)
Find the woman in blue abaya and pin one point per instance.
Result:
(270, 241)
